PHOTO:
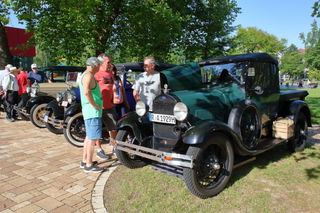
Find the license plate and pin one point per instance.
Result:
(161, 118)
(64, 103)
(45, 119)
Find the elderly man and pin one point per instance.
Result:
(36, 76)
(148, 84)
(11, 88)
(91, 102)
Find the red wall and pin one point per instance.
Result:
(18, 37)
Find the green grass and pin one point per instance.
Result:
(276, 182)
(313, 100)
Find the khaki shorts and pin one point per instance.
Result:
(109, 119)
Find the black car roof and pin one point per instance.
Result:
(138, 66)
(63, 68)
(262, 57)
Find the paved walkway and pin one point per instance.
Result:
(39, 171)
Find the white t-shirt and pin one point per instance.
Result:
(148, 86)
(2, 74)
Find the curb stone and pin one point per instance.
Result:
(97, 201)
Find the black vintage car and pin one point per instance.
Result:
(55, 110)
(211, 114)
(74, 129)
(35, 107)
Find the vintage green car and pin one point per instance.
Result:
(210, 115)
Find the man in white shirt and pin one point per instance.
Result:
(147, 85)
(10, 88)
(3, 73)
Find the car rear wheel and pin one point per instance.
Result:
(37, 112)
(213, 164)
(75, 131)
(298, 143)
(128, 160)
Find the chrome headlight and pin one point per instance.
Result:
(71, 98)
(180, 111)
(59, 97)
(141, 108)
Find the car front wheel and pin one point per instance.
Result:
(75, 131)
(213, 164)
(128, 160)
(37, 112)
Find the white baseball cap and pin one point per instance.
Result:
(34, 66)
(8, 66)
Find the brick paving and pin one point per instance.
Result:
(39, 171)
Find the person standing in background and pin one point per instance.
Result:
(119, 96)
(10, 88)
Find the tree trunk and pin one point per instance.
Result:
(5, 55)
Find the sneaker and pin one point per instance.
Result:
(93, 169)
(82, 164)
(102, 155)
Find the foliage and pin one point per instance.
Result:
(4, 11)
(129, 29)
(251, 39)
(292, 64)
(316, 9)
(5, 55)
(312, 55)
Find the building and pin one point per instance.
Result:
(19, 48)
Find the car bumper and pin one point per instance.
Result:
(172, 159)
(54, 122)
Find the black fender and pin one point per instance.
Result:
(73, 109)
(135, 123)
(295, 107)
(38, 100)
(54, 107)
(197, 135)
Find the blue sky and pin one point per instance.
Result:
(282, 18)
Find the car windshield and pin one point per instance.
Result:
(219, 73)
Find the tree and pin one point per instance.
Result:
(292, 64)
(129, 29)
(316, 9)
(5, 55)
(251, 39)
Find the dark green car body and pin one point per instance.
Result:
(232, 105)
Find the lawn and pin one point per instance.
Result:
(313, 100)
(276, 181)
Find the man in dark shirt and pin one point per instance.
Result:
(34, 75)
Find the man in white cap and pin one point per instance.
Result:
(10, 88)
(36, 76)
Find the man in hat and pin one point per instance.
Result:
(36, 76)
(10, 89)
(91, 103)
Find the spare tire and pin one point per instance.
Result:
(245, 120)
